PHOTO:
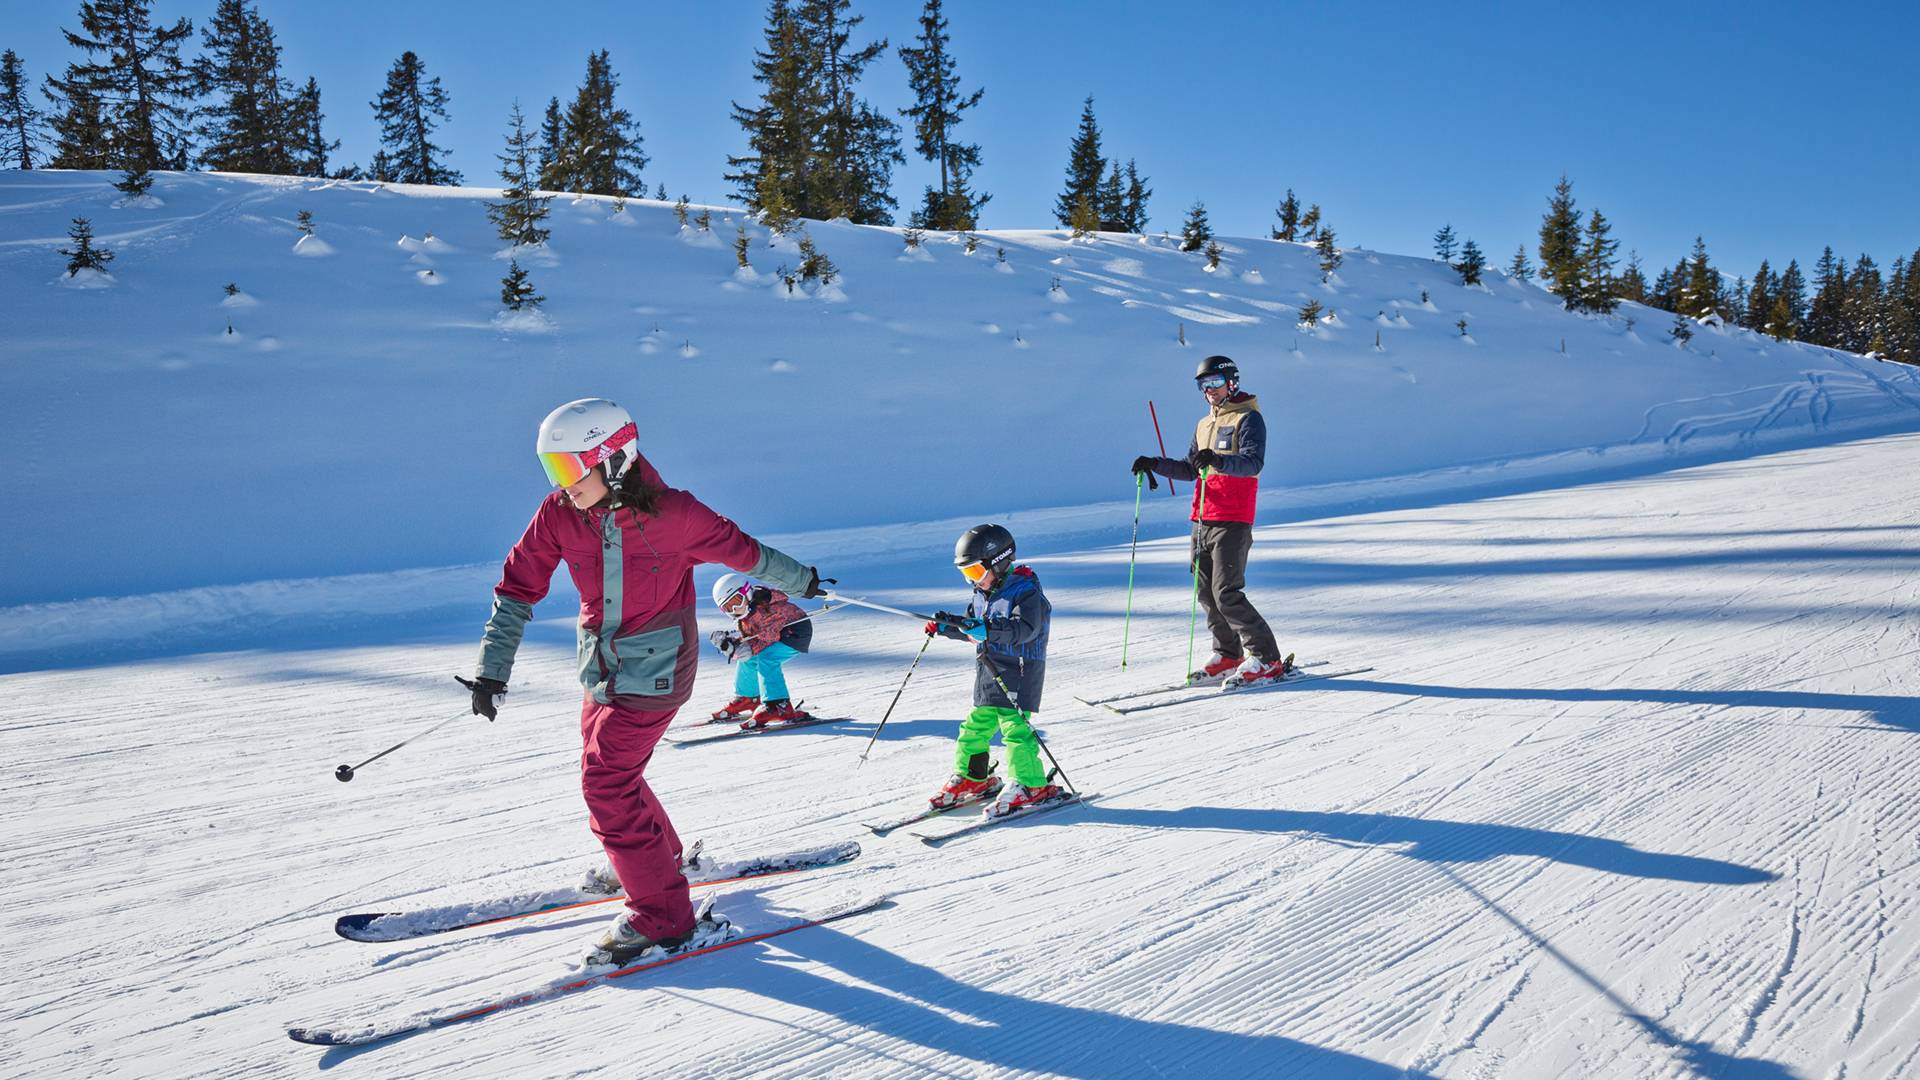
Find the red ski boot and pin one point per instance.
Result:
(1261, 674)
(735, 709)
(776, 711)
(961, 790)
(1019, 797)
(1218, 666)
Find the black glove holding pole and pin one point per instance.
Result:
(813, 591)
(1143, 466)
(488, 695)
(1206, 458)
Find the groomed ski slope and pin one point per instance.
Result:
(1634, 791)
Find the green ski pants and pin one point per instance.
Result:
(1023, 749)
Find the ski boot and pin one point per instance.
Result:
(620, 944)
(600, 880)
(735, 709)
(775, 711)
(1258, 674)
(1019, 797)
(1216, 667)
(961, 789)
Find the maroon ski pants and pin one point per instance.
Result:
(629, 820)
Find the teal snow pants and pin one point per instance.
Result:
(760, 675)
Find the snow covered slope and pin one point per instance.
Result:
(1633, 791)
(368, 413)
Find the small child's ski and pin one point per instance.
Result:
(384, 926)
(987, 821)
(696, 737)
(379, 1031)
(1198, 682)
(1291, 677)
(885, 827)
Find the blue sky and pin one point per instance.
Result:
(1771, 129)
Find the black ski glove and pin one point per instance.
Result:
(813, 591)
(1206, 458)
(488, 695)
(724, 641)
(1143, 466)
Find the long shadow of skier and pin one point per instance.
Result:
(989, 1029)
(1445, 841)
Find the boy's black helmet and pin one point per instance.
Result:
(1218, 365)
(989, 545)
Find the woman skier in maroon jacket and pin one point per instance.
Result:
(630, 544)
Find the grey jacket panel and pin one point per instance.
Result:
(505, 627)
(782, 571)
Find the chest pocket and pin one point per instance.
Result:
(1223, 438)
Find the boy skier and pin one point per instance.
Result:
(1007, 618)
(770, 630)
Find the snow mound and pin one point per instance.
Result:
(312, 246)
(239, 300)
(524, 321)
(86, 279)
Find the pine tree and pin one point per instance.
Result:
(1700, 286)
(1825, 314)
(1310, 313)
(141, 89)
(1789, 314)
(1289, 214)
(1443, 243)
(1594, 290)
(601, 153)
(135, 182)
(1085, 220)
(83, 255)
(1310, 224)
(740, 246)
(1472, 263)
(1682, 331)
(1113, 201)
(20, 122)
(550, 159)
(520, 211)
(1560, 243)
(406, 109)
(1085, 166)
(1214, 251)
(381, 167)
(773, 175)
(250, 125)
(1759, 302)
(1329, 255)
(516, 289)
(82, 136)
(857, 146)
(1632, 282)
(814, 264)
(1902, 325)
(1520, 269)
(1863, 312)
(1195, 233)
(310, 147)
(1134, 218)
(1661, 295)
(938, 105)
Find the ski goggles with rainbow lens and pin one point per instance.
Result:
(565, 468)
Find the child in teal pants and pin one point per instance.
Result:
(770, 630)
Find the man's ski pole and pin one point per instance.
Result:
(1126, 627)
(994, 670)
(896, 699)
(345, 772)
(1193, 609)
(856, 601)
(1163, 442)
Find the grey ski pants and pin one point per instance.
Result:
(1220, 551)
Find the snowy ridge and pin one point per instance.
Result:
(372, 413)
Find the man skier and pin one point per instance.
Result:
(1229, 446)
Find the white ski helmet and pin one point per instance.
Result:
(581, 434)
(729, 586)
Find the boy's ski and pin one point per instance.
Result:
(361, 1034)
(985, 821)
(1217, 691)
(696, 737)
(1199, 682)
(885, 827)
(378, 926)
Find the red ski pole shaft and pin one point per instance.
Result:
(1159, 439)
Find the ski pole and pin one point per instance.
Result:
(1162, 441)
(1133, 551)
(345, 772)
(896, 699)
(1193, 609)
(994, 670)
(877, 607)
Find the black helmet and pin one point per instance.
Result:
(990, 546)
(1218, 365)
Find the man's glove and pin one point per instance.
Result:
(488, 695)
(1206, 458)
(1143, 466)
(813, 591)
(725, 642)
